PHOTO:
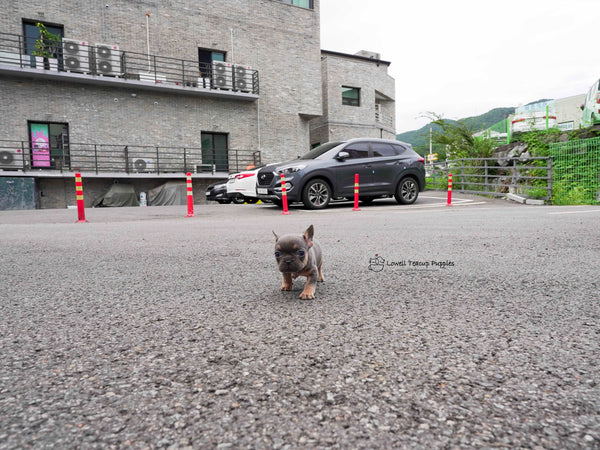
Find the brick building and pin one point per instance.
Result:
(141, 92)
(358, 98)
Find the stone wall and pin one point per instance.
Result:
(339, 121)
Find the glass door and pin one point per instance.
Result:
(50, 145)
(215, 152)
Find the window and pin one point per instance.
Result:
(380, 149)
(49, 145)
(350, 96)
(205, 59)
(400, 149)
(32, 34)
(214, 151)
(308, 4)
(358, 150)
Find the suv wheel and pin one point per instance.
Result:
(317, 194)
(407, 191)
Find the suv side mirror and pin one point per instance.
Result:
(342, 156)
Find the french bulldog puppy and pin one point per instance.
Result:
(299, 255)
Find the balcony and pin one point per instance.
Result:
(20, 158)
(78, 62)
(384, 119)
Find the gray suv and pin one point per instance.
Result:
(385, 168)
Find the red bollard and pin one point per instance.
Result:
(79, 195)
(190, 196)
(284, 196)
(449, 190)
(356, 208)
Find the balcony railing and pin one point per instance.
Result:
(384, 119)
(110, 62)
(127, 159)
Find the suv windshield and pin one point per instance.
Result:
(318, 151)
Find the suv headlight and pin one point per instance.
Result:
(291, 169)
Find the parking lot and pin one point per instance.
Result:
(472, 325)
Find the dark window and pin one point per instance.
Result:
(205, 59)
(358, 150)
(49, 145)
(32, 36)
(400, 149)
(381, 149)
(350, 96)
(214, 151)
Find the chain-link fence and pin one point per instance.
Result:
(576, 172)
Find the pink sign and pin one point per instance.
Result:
(40, 145)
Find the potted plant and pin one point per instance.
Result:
(46, 48)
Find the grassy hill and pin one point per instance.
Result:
(420, 138)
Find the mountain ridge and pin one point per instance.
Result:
(420, 138)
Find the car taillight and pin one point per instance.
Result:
(421, 160)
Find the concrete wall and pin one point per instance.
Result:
(60, 192)
(568, 110)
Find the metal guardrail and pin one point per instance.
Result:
(128, 159)
(494, 176)
(110, 61)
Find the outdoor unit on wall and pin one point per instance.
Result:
(108, 60)
(242, 78)
(142, 165)
(222, 75)
(76, 56)
(11, 159)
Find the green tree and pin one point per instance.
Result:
(458, 140)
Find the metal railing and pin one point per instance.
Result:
(109, 61)
(494, 176)
(128, 159)
(384, 119)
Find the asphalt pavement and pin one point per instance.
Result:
(475, 325)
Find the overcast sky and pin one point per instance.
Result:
(462, 58)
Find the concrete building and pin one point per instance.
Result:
(141, 92)
(358, 98)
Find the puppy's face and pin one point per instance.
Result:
(291, 252)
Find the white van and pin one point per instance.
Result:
(591, 108)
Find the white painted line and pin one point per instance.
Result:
(574, 212)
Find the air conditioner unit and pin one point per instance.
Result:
(222, 75)
(11, 159)
(76, 56)
(142, 165)
(242, 78)
(108, 60)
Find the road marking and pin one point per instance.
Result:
(574, 212)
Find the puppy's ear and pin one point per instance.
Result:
(276, 237)
(308, 235)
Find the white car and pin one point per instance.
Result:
(241, 187)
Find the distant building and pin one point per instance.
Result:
(358, 98)
(563, 113)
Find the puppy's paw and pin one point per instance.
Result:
(308, 293)
(286, 287)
